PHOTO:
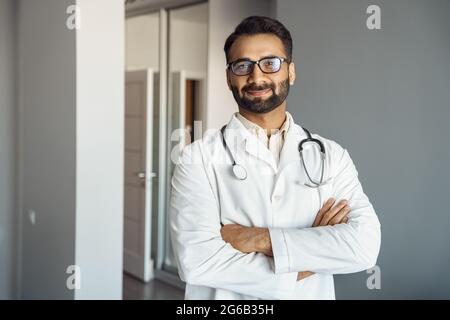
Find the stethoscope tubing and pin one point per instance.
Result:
(241, 173)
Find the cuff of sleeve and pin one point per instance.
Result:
(287, 286)
(279, 250)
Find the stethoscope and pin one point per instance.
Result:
(241, 173)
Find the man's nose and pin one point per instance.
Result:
(256, 75)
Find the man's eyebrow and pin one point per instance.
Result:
(271, 56)
(262, 57)
(242, 59)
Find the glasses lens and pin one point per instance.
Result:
(242, 68)
(270, 65)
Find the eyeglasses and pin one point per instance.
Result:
(243, 67)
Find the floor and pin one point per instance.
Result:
(134, 289)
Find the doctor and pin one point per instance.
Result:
(251, 217)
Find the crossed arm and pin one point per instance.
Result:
(206, 252)
(253, 239)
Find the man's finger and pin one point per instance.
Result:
(332, 212)
(304, 274)
(326, 206)
(340, 216)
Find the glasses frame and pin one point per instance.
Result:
(229, 65)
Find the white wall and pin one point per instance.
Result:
(142, 42)
(136, 7)
(188, 39)
(100, 148)
(8, 223)
(224, 16)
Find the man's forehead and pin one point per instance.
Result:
(255, 47)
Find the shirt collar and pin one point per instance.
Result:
(254, 128)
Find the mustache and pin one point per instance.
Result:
(255, 87)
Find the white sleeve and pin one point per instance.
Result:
(203, 257)
(342, 248)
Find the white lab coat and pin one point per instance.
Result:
(205, 193)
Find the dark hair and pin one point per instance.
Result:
(256, 25)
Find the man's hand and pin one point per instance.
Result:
(247, 239)
(329, 215)
(304, 274)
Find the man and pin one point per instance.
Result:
(247, 218)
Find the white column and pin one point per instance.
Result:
(100, 148)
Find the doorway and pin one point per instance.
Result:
(165, 91)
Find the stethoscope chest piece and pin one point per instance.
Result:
(239, 172)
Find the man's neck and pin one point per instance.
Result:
(269, 121)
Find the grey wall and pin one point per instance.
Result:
(384, 95)
(47, 72)
(8, 223)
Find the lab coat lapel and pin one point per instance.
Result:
(241, 141)
(257, 149)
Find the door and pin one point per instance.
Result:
(178, 103)
(139, 110)
(178, 138)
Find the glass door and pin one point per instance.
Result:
(142, 144)
(187, 66)
(172, 43)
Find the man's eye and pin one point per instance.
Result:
(242, 66)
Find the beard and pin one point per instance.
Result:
(258, 105)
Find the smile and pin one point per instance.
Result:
(258, 93)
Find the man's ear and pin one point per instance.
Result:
(291, 73)
(228, 79)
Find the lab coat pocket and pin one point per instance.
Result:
(324, 192)
(305, 203)
(319, 195)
